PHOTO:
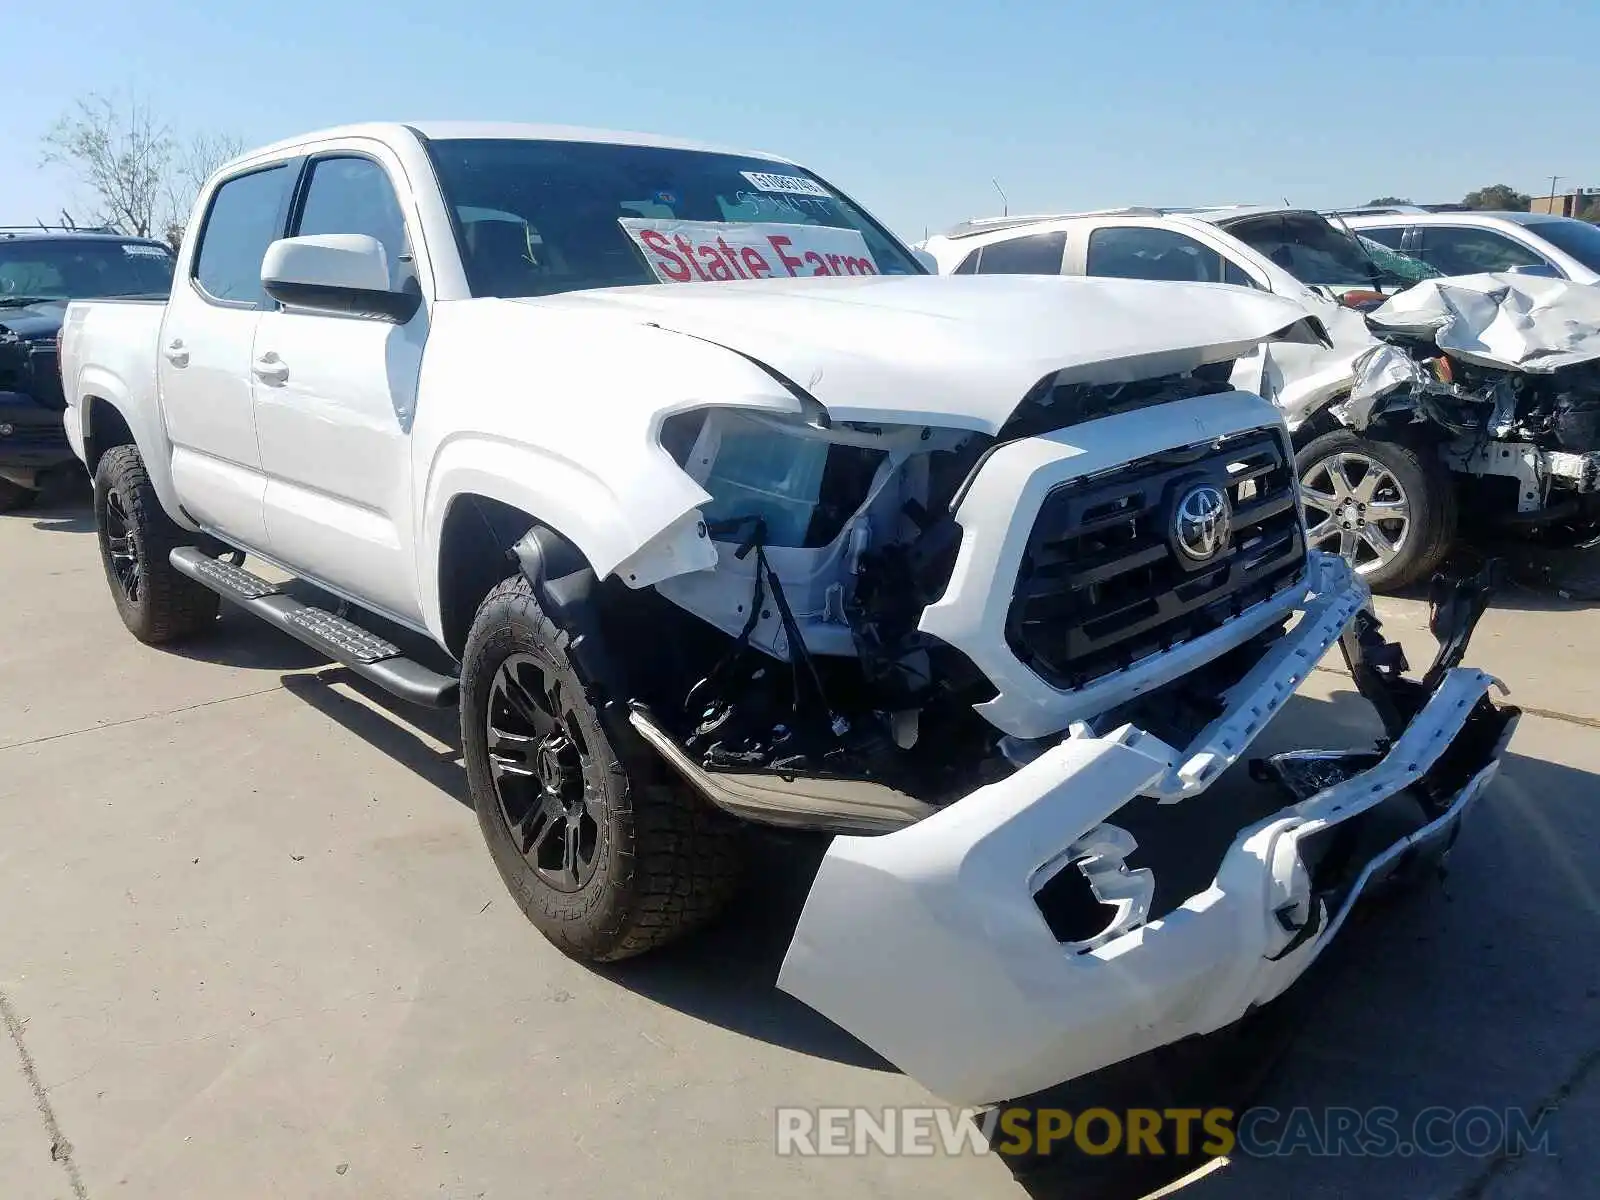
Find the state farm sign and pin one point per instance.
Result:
(715, 251)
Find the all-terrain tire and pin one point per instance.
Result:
(162, 604)
(1428, 488)
(13, 496)
(664, 861)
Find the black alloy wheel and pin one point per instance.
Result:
(122, 547)
(548, 784)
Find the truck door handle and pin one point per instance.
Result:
(269, 368)
(176, 353)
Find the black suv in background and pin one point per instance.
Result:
(40, 271)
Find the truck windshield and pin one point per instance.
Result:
(81, 268)
(541, 217)
(1309, 248)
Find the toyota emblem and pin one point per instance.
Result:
(1201, 523)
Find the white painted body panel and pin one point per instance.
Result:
(958, 353)
(335, 451)
(108, 352)
(203, 380)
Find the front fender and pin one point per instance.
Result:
(581, 506)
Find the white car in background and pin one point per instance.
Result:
(1293, 253)
(1471, 243)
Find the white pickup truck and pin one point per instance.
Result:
(712, 509)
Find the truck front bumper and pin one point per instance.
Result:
(32, 439)
(1010, 941)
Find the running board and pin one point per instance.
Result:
(362, 652)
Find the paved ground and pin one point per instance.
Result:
(252, 947)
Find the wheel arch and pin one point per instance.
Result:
(483, 495)
(108, 417)
(104, 428)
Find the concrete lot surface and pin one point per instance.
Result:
(253, 947)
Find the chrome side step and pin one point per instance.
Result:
(365, 653)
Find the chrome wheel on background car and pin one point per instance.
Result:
(1356, 508)
(1387, 506)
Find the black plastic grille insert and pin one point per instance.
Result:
(1102, 584)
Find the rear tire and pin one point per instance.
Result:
(156, 602)
(607, 866)
(14, 497)
(1388, 507)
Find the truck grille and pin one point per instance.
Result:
(46, 372)
(1103, 581)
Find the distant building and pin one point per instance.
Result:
(1565, 204)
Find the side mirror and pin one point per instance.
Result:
(928, 261)
(343, 273)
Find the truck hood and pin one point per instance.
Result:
(953, 351)
(30, 321)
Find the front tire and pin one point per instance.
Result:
(156, 602)
(605, 864)
(1387, 507)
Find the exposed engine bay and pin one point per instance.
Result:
(1506, 369)
(795, 683)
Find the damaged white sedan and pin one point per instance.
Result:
(990, 578)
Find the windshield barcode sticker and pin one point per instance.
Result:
(792, 185)
(138, 250)
(717, 251)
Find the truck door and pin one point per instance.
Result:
(335, 396)
(203, 364)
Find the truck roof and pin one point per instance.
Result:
(392, 131)
(19, 233)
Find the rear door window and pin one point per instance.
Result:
(1462, 250)
(245, 217)
(1035, 254)
(1147, 252)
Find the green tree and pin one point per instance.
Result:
(1499, 197)
(1383, 200)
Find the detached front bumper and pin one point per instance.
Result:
(1005, 944)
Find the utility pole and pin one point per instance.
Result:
(1005, 205)
(1553, 179)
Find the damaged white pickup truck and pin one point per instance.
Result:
(992, 578)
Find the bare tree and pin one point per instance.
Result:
(194, 162)
(121, 153)
(141, 178)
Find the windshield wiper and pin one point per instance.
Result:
(21, 301)
(1374, 270)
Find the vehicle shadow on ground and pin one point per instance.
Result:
(725, 974)
(1534, 578)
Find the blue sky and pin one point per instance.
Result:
(912, 108)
